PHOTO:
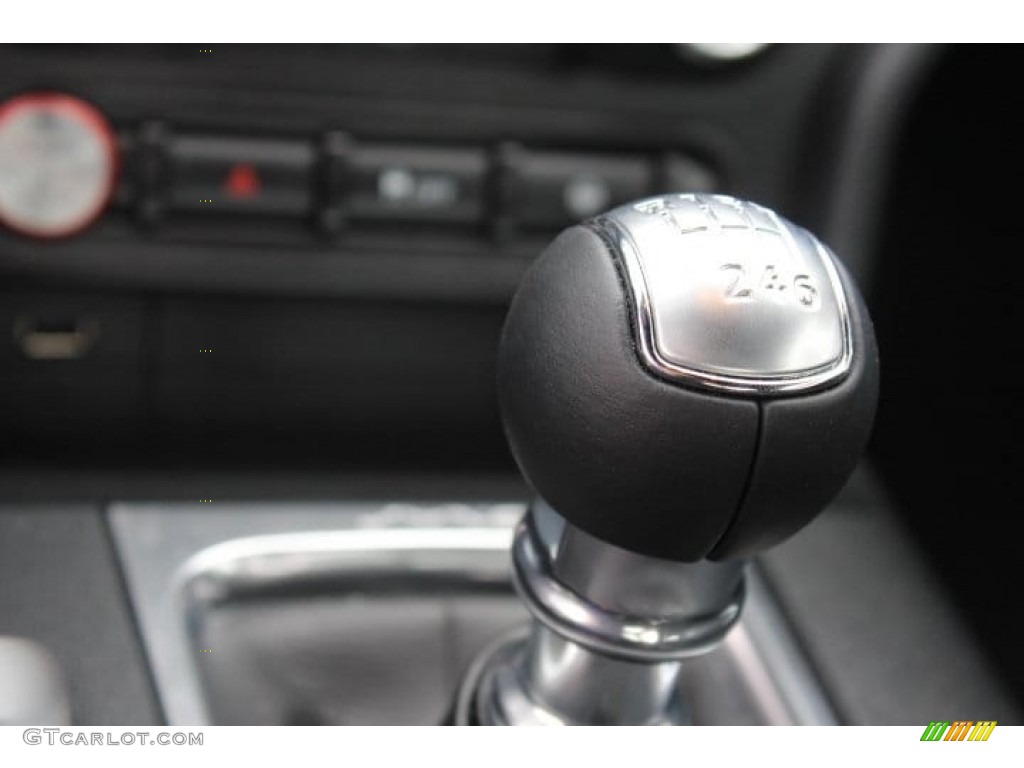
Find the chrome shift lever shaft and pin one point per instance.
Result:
(610, 631)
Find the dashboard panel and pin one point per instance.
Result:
(308, 249)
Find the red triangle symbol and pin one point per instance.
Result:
(242, 182)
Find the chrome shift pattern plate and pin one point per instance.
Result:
(729, 296)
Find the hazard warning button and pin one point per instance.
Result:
(218, 174)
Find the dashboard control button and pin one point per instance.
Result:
(58, 164)
(553, 189)
(216, 174)
(417, 184)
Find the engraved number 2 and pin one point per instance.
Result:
(740, 287)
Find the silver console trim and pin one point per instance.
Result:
(176, 554)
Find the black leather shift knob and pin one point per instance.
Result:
(688, 377)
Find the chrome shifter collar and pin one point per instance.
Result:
(666, 635)
(605, 620)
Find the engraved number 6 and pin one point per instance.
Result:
(806, 293)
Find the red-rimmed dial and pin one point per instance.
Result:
(58, 164)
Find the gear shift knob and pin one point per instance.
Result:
(684, 379)
(688, 377)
